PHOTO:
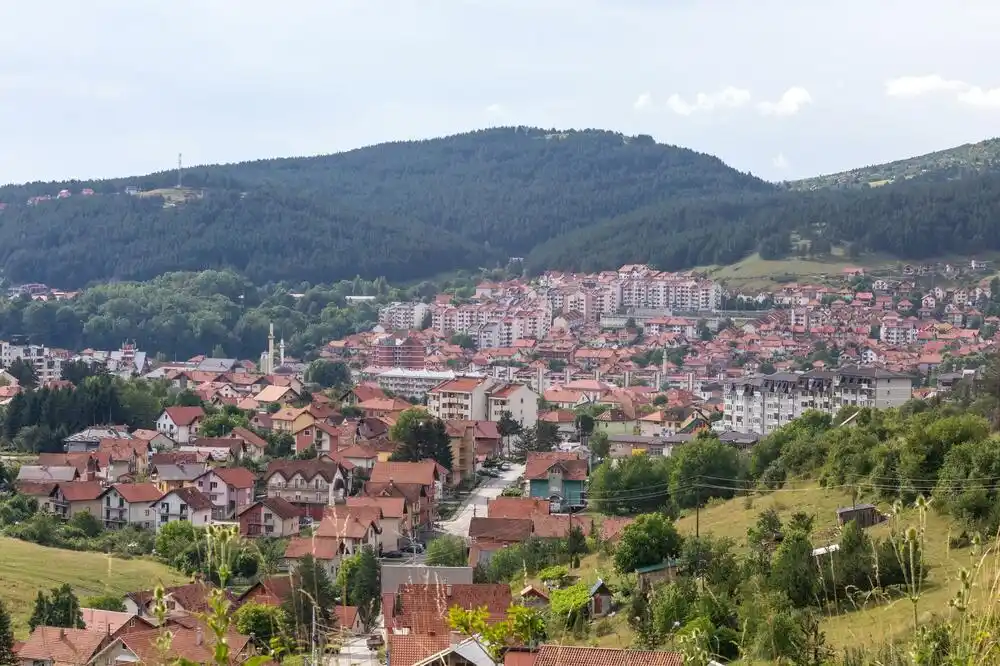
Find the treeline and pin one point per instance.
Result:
(402, 210)
(38, 421)
(910, 219)
(180, 315)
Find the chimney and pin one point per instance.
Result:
(199, 636)
(567, 375)
(62, 633)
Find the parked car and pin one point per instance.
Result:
(414, 548)
(393, 555)
(375, 641)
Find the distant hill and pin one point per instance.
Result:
(401, 210)
(964, 160)
(583, 200)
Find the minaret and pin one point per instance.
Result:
(270, 352)
(281, 347)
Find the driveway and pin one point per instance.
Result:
(475, 504)
(354, 651)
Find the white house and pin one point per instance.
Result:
(189, 504)
(129, 504)
(519, 400)
(180, 423)
(229, 489)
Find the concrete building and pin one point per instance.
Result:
(48, 367)
(403, 316)
(761, 404)
(393, 352)
(411, 383)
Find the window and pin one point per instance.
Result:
(213, 485)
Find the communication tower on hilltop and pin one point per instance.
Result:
(180, 171)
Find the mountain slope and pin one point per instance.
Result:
(964, 160)
(910, 219)
(402, 210)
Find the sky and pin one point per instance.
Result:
(782, 88)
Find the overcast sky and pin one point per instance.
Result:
(782, 88)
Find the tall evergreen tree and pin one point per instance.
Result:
(7, 656)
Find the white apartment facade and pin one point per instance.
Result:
(411, 383)
(403, 315)
(48, 367)
(483, 399)
(765, 403)
(518, 399)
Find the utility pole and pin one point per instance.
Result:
(312, 638)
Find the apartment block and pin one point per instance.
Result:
(48, 366)
(403, 316)
(761, 404)
(393, 352)
(483, 399)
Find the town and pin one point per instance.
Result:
(508, 476)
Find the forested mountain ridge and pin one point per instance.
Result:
(582, 200)
(400, 210)
(910, 219)
(967, 159)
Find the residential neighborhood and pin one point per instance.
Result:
(490, 427)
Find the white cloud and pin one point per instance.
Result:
(977, 96)
(779, 161)
(494, 109)
(643, 101)
(727, 98)
(790, 103)
(915, 86)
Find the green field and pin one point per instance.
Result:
(26, 568)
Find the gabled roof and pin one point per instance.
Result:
(281, 507)
(194, 645)
(193, 497)
(538, 466)
(391, 507)
(137, 492)
(348, 522)
(249, 437)
(192, 597)
(184, 416)
(423, 473)
(516, 507)
(424, 608)
(238, 477)
(62, 646)
(309, 469)
(321, 548)
(81, 491)
(564, 655)
(409, 649)
(500, 529)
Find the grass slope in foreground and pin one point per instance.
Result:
(876, 620)
(26, 568)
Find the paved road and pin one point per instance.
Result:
(475, 504)
(354, 652)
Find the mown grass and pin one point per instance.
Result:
(26, 568)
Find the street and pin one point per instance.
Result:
(475, 505)
(354, 652)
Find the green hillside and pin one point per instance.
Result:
(26, 568)
(406, 211)
(964, 160)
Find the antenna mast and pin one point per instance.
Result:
(180, 170)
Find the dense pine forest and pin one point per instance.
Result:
(405, 211)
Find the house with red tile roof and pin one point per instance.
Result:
(129, 504)
(180, 423)
(269, 517)
(65, 647)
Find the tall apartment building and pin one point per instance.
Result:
(412, 383)
(514, 320)
(764, 403)
(48, 367)
(393, 352)
(403, 316)
(896, 330)
(483, 399)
